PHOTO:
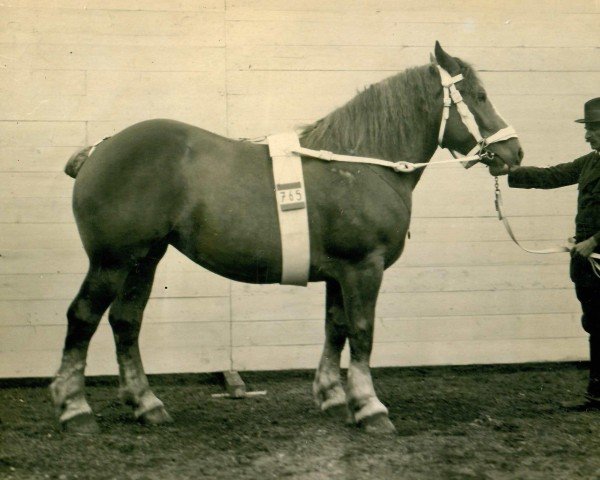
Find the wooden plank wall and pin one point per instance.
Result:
(74, 71)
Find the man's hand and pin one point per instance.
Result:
(497, 169)
(585, 248)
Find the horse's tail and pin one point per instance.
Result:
(76, 161)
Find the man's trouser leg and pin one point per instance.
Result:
(589, 297)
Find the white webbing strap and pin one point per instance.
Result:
(400, 166)
(447, 81)
(467, 118)
(451, 94)
(500, 136)
(498, 202)
(95, 145)
(594, 258)
(290, 196)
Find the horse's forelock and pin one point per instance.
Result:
(472, 82)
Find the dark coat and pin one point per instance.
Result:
(584, 171)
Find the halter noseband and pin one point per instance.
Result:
(452, 95)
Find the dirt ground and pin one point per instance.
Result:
(492, 422)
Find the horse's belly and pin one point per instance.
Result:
(237, 241)
(253, 262)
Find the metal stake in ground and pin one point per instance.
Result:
(236, 388)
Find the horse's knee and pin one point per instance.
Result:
(81, 324)
(125, 328)
(361, 340)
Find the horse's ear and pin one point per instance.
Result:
(446, 61)
(433, 64)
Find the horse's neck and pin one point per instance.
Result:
(412, 140)
(420, 146)
(379, 124)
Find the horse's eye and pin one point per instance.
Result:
(481, 97)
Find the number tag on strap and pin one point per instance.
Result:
(291, 208)
(290, 196)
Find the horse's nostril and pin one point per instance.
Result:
(521, 154)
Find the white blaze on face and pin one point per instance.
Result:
(499, 115)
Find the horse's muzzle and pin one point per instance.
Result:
(508, 152)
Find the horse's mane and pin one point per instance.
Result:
(388, 117)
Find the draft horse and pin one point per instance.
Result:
(162, 182)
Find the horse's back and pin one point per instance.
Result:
(132, 189)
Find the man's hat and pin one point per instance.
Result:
(591, 111)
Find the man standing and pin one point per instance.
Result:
(584, 171)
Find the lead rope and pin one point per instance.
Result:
(595, 263)
(400, 166)
(594, 258)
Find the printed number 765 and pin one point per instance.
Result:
(291, 195)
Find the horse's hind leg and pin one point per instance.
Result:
(97, 292)
(125, 318)
(360, 287)
(327, 387)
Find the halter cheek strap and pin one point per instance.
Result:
(452, 95)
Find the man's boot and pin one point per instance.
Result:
(593, 390)
(592, 395)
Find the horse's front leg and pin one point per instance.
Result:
(360, 287)
(327, 387)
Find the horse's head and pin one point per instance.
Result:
(472, 125)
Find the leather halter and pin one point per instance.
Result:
(452, 95)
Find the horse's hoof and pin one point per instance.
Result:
(83, 424)
(339, 411)
(378, 424)
(156, 416)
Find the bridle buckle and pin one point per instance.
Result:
(486, 155)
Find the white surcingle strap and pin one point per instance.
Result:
(95, 145)
(290, 197)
